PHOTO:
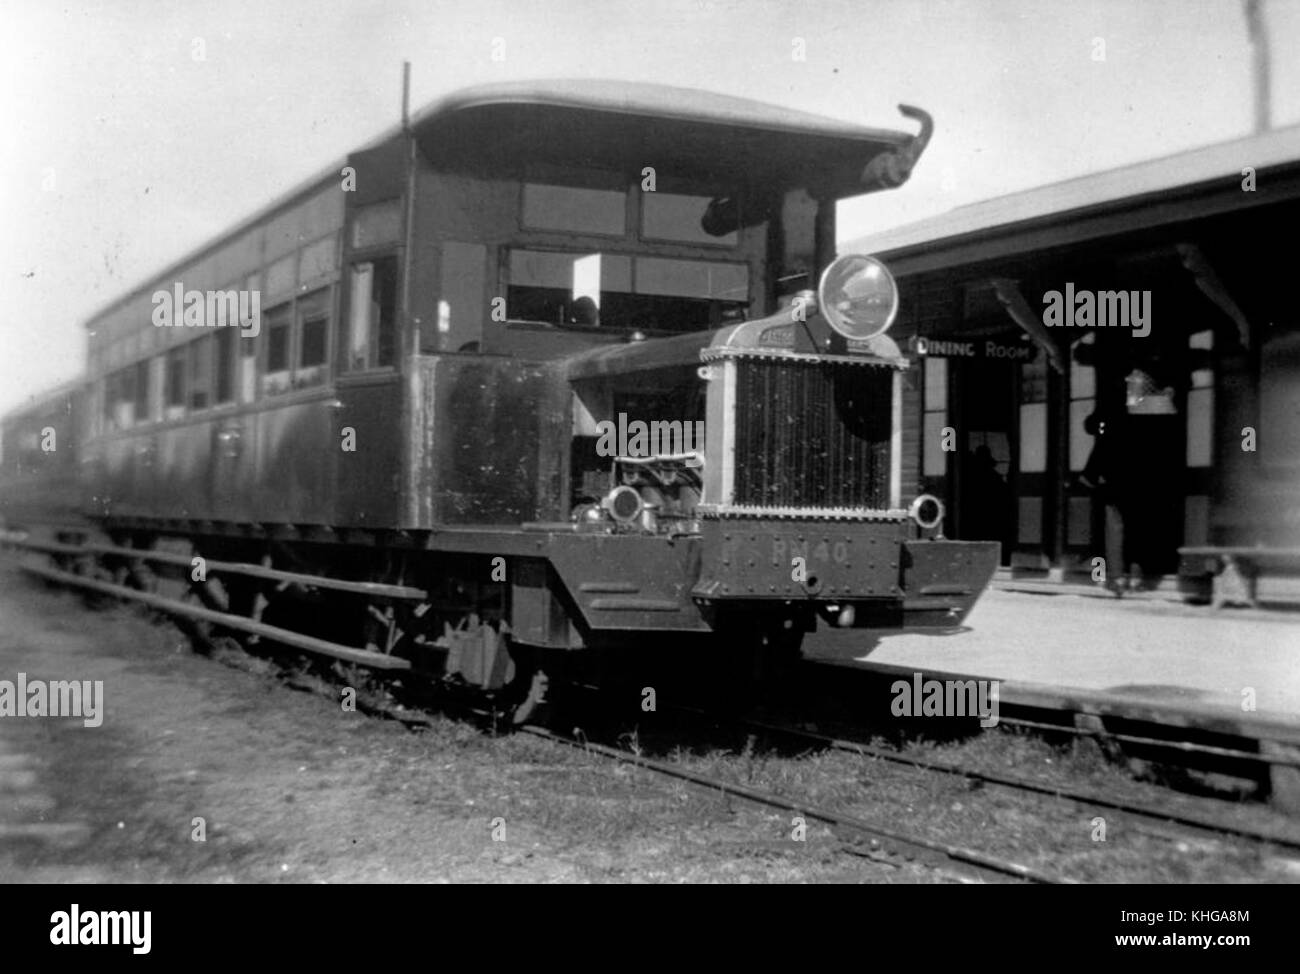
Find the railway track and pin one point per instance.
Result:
(1018, 783)
(880, 842)
(885, 842)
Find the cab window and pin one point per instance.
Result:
(575, 209)
(650, 294)
(677, 217)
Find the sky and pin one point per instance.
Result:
(137, 130)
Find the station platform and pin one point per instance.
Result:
(1214, 682)
(1153, 653)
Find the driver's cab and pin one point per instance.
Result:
(530, 224)
(555, 217)
(550, 260)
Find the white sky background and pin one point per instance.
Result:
(152, 152)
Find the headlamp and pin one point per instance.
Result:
(858, 296)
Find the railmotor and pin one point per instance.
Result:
(549, 371)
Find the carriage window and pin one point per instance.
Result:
(157, 387)
(372, 314)
(313, 338)
(280, 278)
(200, 371)
(575, 209)
(141, 406)
(673, 216)
(227, 353)
(318, 259)
(119, 399)
(174, 400)
(246, 368)
(277, 349)
(276, 327)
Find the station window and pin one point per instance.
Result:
(935, 409)
(1033, 415)
(1083, 403)
(372, 314)
(1200, 402)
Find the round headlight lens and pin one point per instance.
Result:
(927, 511)
(858, 296)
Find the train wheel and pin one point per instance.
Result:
(760, 665)
(777, 655)
(535, 694)
(535, 708)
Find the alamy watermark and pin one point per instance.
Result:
(53, 698)
(640, 439)
(179, 308)
(75, 928)
(1098, 309)
(946, 698)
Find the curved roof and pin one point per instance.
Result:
(649, 100)
(735, 143)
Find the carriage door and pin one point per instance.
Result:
(369, 394)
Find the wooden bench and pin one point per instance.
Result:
(1235, 570)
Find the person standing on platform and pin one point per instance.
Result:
(1105, 475)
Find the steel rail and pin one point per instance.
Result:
(378, 590)
(1205, 823)
(298, 640)
(1188, 746)
(918, 845)
(1025, 784)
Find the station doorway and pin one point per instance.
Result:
(984, 466)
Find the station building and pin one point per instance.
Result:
(1038, 421)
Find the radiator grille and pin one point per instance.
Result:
(812, 434)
